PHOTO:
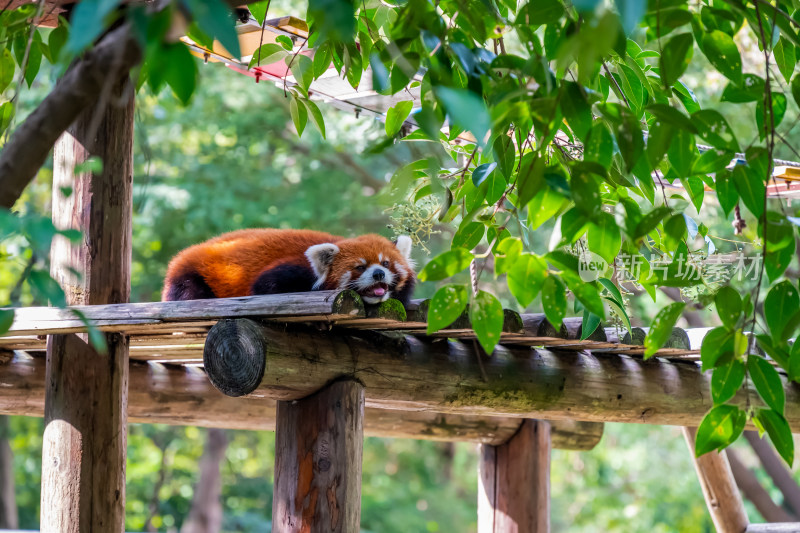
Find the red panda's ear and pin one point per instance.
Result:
(321, 256)
(403, 245)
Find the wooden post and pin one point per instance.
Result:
(514, 482)
(719, 488)
(318, 447)
(83, 455)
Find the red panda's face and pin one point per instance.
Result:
(370, 265)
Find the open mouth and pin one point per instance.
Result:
(378, 291)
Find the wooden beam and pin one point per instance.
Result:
(318, 449)
(719, 488)
(404, 372)
(752, 489)
(85, 436)
(514, 482)
(787, 527)
(171, 394)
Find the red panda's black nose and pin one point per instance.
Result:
(378, 275)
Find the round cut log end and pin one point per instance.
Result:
(234, 356)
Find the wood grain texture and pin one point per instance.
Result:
(719, 488)
(514, 482)
(318, 450)
(85, 437)
(183, 396)
(409, 373)
(308, 307)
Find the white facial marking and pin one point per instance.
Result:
(345, 281)
(380, 258)
(363, 261)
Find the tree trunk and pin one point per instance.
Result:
(205, 515)
(83, 455)
(9, 518)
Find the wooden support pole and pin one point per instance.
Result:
(83, 455)
(514, 482)
(318, 450)
(719, 488)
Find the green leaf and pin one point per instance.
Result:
(214, 18)
(785, 57)
(504, 154)
(87, 22)
(543, 207)
(55, 42)
(267, 54)
(486, 317)
(6, 115)
(650, 221)
(661, 328)
(469, 235)
(751, 89)
(779, 433)
(767, 382)
(751, 188)
(727, 194)
(526, 278)
(586, 293)
(7, 68)
(796, 88)
(780, 304)
(675, 57)
(604, 238)
(467, 110)
(259, 10)
(779, 245)
(729, 306)
(380, 74)
(681, 152)
(721, 52)
(506, 253)
(718, 347)
(6, 319)
(586, 193)
(299, 114)
(576, 108)
(719, 428)
(542, 12)
(482, 172)
(726, 380)
(446, 264)
(396, 116)
(181, 75)
(714, 129)
(712, 161)
(34, 60)
(554, 301)
(446, 306)
(316, 115)
(46, 288)
(302, 69)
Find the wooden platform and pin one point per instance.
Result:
(175, 332)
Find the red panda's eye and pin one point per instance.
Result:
(386, 264)
(361, 268)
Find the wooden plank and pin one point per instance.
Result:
(410, 373)
(318, 450)
(309, 306)
(514, 482)
(85, 436)
(787, 527)
(180, 395)
(719, 488)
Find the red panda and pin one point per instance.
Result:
(272, 261)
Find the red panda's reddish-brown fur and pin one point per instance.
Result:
(233, 263)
